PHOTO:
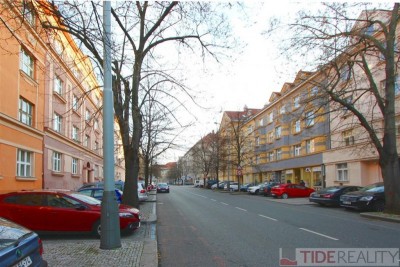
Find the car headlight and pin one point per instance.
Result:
(125, 215)
(366, 198)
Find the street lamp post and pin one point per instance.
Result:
(110, 232)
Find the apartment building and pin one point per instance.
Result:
(22, 91)
(50, 107)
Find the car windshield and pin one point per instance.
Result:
(332, 189)
(375, 188)
(86, 199)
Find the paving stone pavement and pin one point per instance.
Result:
(138, 249)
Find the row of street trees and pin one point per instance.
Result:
(353, 49)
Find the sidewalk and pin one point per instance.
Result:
(138, 249)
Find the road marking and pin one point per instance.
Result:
(266, 217)
(213, 200)
(224, 203)
(240, 209)
(319, 234)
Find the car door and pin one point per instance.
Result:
(27, 210)
(65, 216)
(299, 191)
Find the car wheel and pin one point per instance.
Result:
(97, 228)
(379, 206)
(257, 191)
(284, 196)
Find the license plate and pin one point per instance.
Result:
(25, 262)
(347, 202)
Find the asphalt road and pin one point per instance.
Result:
(198, 227)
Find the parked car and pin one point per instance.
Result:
(162, 187)
(370, 197)
(61, 211)
(330, 196)
(257, 189)
(233, 186)
(245, 187)
(118, 184)
(141, 191)
(220, 185)
(97, 193)
(267, 188)
(19, 246)
(291, 190)
(210, 183)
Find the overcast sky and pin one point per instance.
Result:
(248, 80)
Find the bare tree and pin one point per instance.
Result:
(357, 60)
(237, 141)
(140, 30)
(203, 157)
(158, 107)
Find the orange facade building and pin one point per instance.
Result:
(22, 75)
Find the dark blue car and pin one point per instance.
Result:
(19, 246)
(97, 192)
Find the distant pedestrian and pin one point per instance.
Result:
(302, 183)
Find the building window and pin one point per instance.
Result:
(341, 170)
(297, 126)
(75, 103)
(58, 85)
(270, 137)
(87, 116)
(397, 86)
(56, 161)
(96, 146)
(25, 112)
(262, 122)
(297, 150)
(75, 133)
(296, 101)
(257, 141)
(57, 122)
(24, 163)
(314, 91)
(278, 132)
(28, 13)
(27, 63)
(271, 117)
(96, 171)
(279, 154)
(282, 110)
(74, 167)
(310, 146)
(348, 137)
(87, 141)
(250, 130)
(96, 124)
(271, 156)
(310, 115)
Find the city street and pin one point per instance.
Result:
(199, 227)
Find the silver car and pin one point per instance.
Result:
(142, 192)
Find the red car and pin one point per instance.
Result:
(291, 190)
(57, 210)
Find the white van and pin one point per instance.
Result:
(198, 183)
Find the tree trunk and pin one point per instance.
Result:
(130, 196)
(391, 178)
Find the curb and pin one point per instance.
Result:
(380, 216)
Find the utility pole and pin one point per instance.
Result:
(110, 232)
